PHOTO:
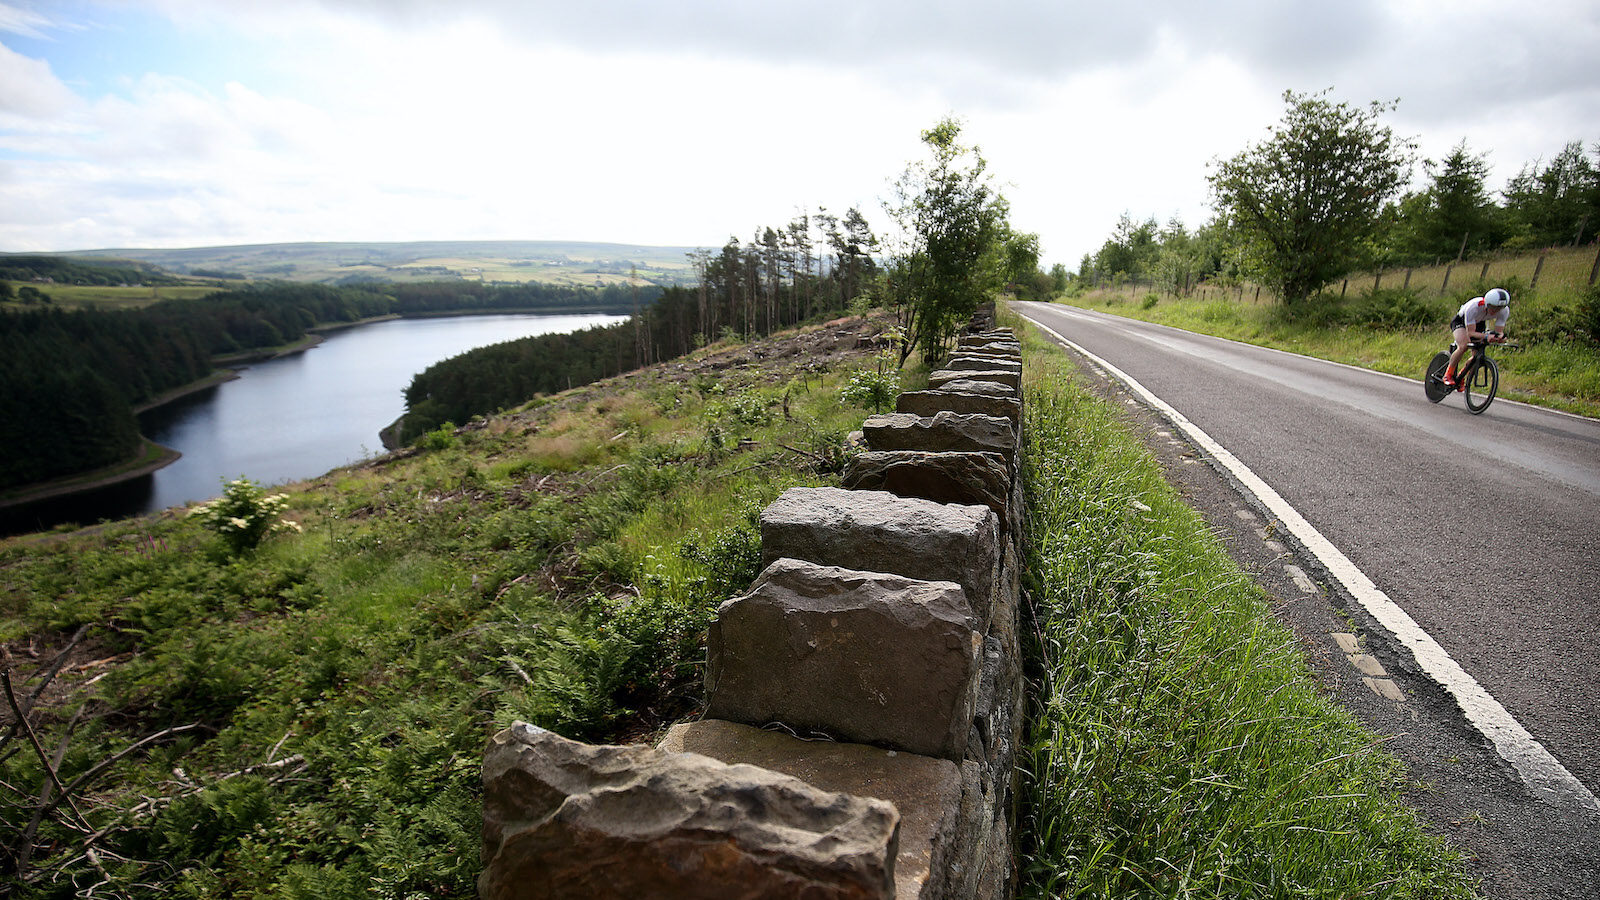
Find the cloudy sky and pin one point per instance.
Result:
(178, 123)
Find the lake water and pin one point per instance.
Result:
(296, 417)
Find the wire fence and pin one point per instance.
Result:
(1571, 267)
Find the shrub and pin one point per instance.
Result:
(1395, 308)
(872, 389)
(244, 515)
(441, 438)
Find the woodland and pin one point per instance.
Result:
(70, 380)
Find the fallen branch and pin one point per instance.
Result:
(152, 805)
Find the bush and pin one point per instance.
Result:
(441, 438)
(871, 389)
(244, 515)
(1560, 323)
(1395, 308)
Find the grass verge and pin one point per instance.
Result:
(1179, 745)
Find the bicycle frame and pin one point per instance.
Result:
(1479, 377)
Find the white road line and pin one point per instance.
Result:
(1541, 772)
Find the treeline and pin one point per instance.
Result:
(816, 266)
(77, 270)
(1552, 204)
(70, 380)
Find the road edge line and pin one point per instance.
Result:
(1539, 770)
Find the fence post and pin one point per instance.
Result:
(1594, 269)
(1258, 295)
(1446, 286)
(1485, 273)
(1342, 288)
(1406, 285)
(1537, 267)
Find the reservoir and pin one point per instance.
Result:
(294, 417)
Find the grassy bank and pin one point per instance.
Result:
(307, 719)
(1179, 745)
(1556, 362)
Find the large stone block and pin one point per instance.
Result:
(965, 362)
(982, 388)
(927, 403)
(946, 477)
(562, 819)
(943, 431)
(927, 792)
(942, 377)
(865, 657)
(875, 531)
(990, 343)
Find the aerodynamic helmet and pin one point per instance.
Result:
(1497, 297)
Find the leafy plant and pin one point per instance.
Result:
(244, 515)
(877, 387)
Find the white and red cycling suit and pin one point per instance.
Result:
(1475, 314)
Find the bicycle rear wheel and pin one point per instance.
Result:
(1481, 385)
(1433, 380)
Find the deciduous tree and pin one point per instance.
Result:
(1305, 201)
(949, 218)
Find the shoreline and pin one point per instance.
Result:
(148, 461)
(152, 458)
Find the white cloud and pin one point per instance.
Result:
(26, 22)
(28, 87)
(683, 123)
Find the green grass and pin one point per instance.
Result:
(102, 297)
(337, 686)
(1179, 744)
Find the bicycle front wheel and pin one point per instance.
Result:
(1481, 385)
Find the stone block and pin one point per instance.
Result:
(865, 657)
(940, 378)
(982, 388)
(927, 792)
(941, 432)
(927, 403)
(963, 362)
(567, 819)
(946, 477)
(875, 531)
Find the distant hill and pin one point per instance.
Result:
(105, 269)
(553, 262)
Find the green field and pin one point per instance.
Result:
(75, 296)
(553, 262)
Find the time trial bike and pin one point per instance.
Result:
(1478, 379)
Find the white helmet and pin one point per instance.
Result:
(1497, 297)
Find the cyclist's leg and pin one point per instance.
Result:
(1460, 337)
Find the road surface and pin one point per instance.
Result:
(1481, 532)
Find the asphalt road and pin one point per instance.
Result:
(1483, 529)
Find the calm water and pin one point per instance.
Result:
(296, 417)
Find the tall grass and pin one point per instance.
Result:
(1179, 746)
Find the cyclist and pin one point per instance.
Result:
(1474, 318)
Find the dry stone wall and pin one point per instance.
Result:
(864, 696)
